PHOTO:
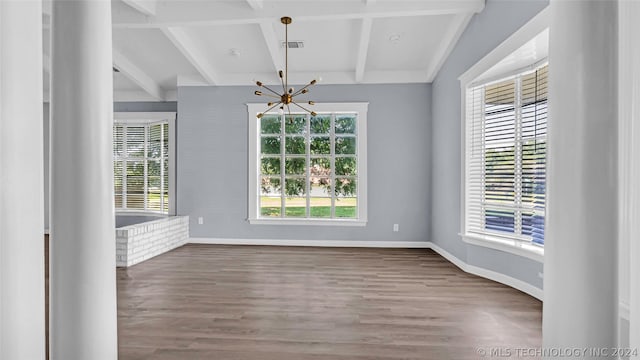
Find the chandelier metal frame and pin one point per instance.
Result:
(287, 97)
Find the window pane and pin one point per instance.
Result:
(296, 200)
(165, 164)
(135, 201)
(118, 140)
(295, 145)
(534, 86)
(500, 112)
(135, 141)
(320, 145)
(295, 166)
(154, 141)
(295, 187)
(270, 124)
(295, 124)
(345, 187)
(165, 140)
(270, 145)
(153, 201)
(320, 124)
(117, 176)
(320, 207)
(270, 206)
(270, 186)
(118, 201)
(153, 167)
(534, 120)
(346, 124)
(533, 225)
(346, 166)
(135, 176)
(320, 187)
(320, 166)
(500, 175)
(345, 145)
(153, 183)
(295, 207)
(346, 207)
(135, 185)
(534, 173)
(499, 220)
(270, 166)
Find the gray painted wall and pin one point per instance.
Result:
(169, 106)
(486, 30)
(212, 165)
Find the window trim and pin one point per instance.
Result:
(131, 118)
(530, 30)
(253, 216)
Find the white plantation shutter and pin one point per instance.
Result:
(474, 159)
(141, 159)
(505, 157)
(534, 153)
(118, 154)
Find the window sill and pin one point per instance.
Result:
(515, 247)
(308, 222)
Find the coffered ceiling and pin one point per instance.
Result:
(161, 44)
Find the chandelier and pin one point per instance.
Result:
(287, 97)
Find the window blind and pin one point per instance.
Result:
(505, 169)
(141, 161)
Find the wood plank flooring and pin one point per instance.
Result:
(268, 303)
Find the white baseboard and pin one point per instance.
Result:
(490, 274)
(314, 243)
(471, 269)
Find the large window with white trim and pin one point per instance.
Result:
(141, 150)
(308, 169)
(505, 157)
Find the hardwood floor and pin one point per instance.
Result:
(264, 303)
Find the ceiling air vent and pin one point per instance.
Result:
(293, 44)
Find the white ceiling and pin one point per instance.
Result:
(160, 44)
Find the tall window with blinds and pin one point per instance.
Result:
(141, 167)
(506, 143)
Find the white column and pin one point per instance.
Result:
(580, 278)
(629, 155)
(83, 278)
(21, 182)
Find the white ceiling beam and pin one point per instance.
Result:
(447, 43)
(172, 15)
(370, 2)
(273, 44)
(363, 48)
(137, 75)
(256, 4)
(147, 7)
(192, 52)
